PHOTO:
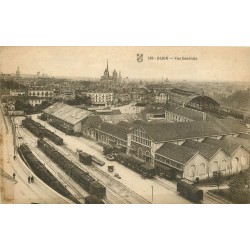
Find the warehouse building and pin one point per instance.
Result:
(66, 117)
(239, 156)
(173, 160)
(216, 159)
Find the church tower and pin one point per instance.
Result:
(106, 72)
(18, 72)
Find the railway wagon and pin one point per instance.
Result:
(40, 170)
(86, 181)
(97, 189)
(108, 149)
(91, 199)
(98, 161)
(136, 164)
(53, 137)
(40, 131)
(190, 191)
(85, 158)
(32, 128)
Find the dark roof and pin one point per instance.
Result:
(244, 136)
(192, 114)
(206, 150)
(243, 142)
(229, 148)
(95, 120)
(108, 112)
(127, 125)
(161, 132)
(112, 129)
(187, 112)
(176, 153)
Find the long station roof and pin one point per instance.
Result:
(164, 132)
(67, 113)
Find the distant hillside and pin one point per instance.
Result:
(238, 100)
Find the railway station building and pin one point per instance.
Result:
(112, 134)
(146, 142)
(193, 100)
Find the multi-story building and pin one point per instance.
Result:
(161, 98)
(67, 92)
(101, 98)
(17, 92)
(41, 92)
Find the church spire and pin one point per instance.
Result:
(107, 64)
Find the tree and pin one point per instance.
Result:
(237, 185)
(218, 179)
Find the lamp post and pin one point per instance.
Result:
(152, 193)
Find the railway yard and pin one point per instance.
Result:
(130, 188)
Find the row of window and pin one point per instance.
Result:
(202, 169)
(177, 118)
(42, 94)
(168, 162)
(108, 139)
(140, 133)
(141, 140)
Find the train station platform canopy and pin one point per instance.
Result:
(193, 99)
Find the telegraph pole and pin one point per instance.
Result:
(152, 194)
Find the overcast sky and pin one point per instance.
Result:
(213, 63)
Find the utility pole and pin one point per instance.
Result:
(152, 194)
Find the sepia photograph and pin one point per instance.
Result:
(125, 125)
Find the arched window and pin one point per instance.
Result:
(243, 162)
(192, 170)
(215, 166)
(223, 166)
(235, 164)
(202, 169)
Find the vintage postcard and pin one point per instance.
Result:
(125, 125)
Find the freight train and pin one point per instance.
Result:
(93, 200)
(42, 172)
(40, 131)
(86, 181)
(190, 191)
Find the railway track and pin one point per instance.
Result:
(126, 193)
(112, 195)
(48, 164)
(163, 184)
(210, 199)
